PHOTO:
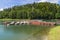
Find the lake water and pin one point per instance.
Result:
(22, 32)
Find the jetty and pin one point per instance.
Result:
(30, 22)
(16, 23)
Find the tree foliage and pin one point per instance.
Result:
(43, 10)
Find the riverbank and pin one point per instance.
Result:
(12, 19)
(54, 33)
(52, 20)
(47, 34)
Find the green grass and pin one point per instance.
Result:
(12, 19)
(54, 33)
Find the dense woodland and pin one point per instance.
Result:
(42, 10)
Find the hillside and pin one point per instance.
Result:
(43, 10)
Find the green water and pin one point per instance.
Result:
(22, 32)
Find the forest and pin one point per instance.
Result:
(42, 10)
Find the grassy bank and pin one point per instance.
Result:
(47, 20)
(54, 33)
(12, 19)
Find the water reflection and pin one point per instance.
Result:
(22, 32)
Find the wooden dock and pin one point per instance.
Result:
(24, 22)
